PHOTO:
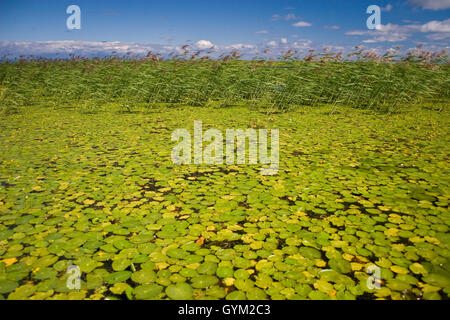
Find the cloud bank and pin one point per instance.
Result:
(381, 40)
(435, 30)
(431, 4)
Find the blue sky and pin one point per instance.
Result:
(247, 24)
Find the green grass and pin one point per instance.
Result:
(280, 85)
(98, 189)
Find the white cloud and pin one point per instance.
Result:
(277, 47)
(71, 46)
(385, 33)
(88, 48)
(431, 4)
(204, 44)
(302, 44)
(62, 49)
(262, 32)
(436, 26)
(440, 30)
(302, 24)
(438, 36)
(53, 49)
(387, 38)
(396, 33)
(356, 33)
(241, 46)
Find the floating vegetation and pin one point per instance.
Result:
(99, 191)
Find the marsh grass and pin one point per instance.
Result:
(362, 80)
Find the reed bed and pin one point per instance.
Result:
(361, 79)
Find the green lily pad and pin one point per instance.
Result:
(310, 253)
(22, 292)
(437, 280)
(204, 281)
(236, 295)
(207, 268)
(398, 285)
(256, 294)
(87, 264)
(241, 274)
(45, 273)
(93, 281)
(122, 244)
(340, 265)
(7, 286)
(147, 291)
(119, 288)
(116, 277)
(144, 276)
(177, 253)
(120, 264)
(168, 234)
(224, 272)
(179, 291)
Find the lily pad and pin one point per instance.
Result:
(144, 276)
(310, 253)
(340, 265)
(147, 291)
(7, 286)
(204, 281)
(116, 277)
(180, 291)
